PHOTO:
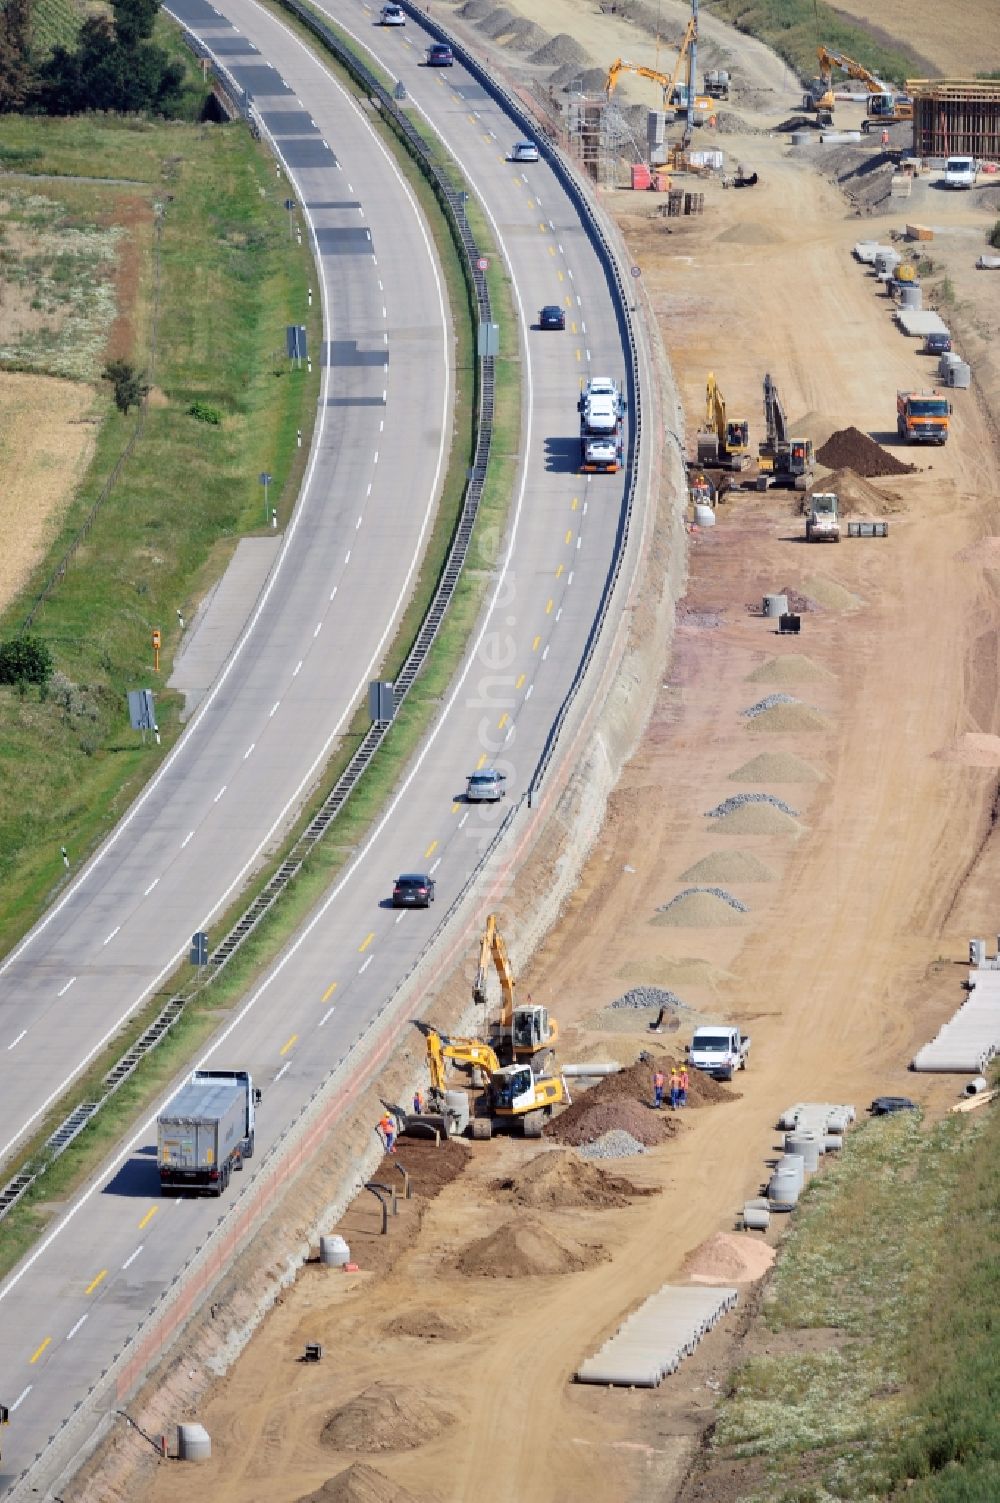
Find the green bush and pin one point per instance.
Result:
(204, 413)
(994, 236)
(129, 383)
(25, 659)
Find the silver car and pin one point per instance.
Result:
(485, 787)
(392, 15)
(524, 151)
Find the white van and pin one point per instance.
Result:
(960, 172)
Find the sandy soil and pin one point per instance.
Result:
(47, 439)
(952, 37)
(847, 960)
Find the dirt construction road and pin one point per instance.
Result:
(849, 954)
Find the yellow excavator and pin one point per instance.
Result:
(514, 1093)
(884, 106)
(674, 92)
(723, 441)
(526, 1030)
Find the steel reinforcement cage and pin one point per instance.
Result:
(956, 117)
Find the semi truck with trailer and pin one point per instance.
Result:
(206, 1131)
(602, 410)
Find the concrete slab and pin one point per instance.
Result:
(220, 618)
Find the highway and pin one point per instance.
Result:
(71, 1305)
(345, 571)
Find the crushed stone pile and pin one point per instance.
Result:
(851, 449)
(793, 717)
(776, 767)
(557, 1181)
(527, 36)
(794, 668)
(974, 749)
(647, 996)
(475, 10)
(741, 800)
(716, 892)
(499, 23)
(616, 1144)
(624, 1102)
(700, 909)
(855, 496)
(728, 1258)
(757, 819)
(729, 866)
(360, 1483)
(525, 1249)
(429, 1325)
(560, 50)
(768, 703)
(830, 593)
(386, 1417)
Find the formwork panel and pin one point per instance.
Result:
(955, 117)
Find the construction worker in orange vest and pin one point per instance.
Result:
(675, 1089)
(682, 1086)
(659, 1081)
(418, 1103)
(387, 1127)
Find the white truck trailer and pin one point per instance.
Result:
(206, 1131)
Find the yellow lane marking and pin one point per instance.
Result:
(541, 226)
(291, 1041)
(559, 570)
(576, 503)
(329, 991)
(430, 849)
(569, 535)
(531, 203)
(455, 808)
(95, 1281)
(148, 1217)
(473, 119)
(567, 299)
(562, 279)
(502, 721)
(572, 328)
(535, 644)
(365, 943)
(45, 1343)
(520, 681)
(548, 608)
(482, 759)
(578, 355)
(552, 250)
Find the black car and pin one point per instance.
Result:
(884, 1106)
(440, 56)
(413, 890)
(937, 343)
(551, 317)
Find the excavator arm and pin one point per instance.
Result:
(667, 81)
(493, 947)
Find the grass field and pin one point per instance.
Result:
(874, 1369)
(795, 28)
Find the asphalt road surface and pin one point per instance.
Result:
(71, 1305)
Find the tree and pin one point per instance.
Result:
(25, 659)
(16, 74)
(129, 383)
(134, 21)
(115, 67)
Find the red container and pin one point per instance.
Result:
(640, 175)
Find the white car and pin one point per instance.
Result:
(485, 787)
(392, 15)
(524, 151)
(960, 172)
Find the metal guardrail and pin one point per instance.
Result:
(262, 904)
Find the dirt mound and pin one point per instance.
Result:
(728, 1258)
(559, 1180)
(527, 36)
(429, 1325)
(499, 23)
(728, 866)
(759, 819)
(830, 593)
(856, 497)
(625, 1101)
(851, 449)
(664, 970)
(360, 1483)
(789, 718)
(750, 233)
(974, 749)
(819, 426)
(525, 1249)
(386, 1417)
(700, 909)
(796, 668)
(560, 51)
(776, 767)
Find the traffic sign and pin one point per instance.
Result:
(636, 271)
(482, 263)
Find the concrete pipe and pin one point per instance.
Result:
(606, 1067)
(977, 1086)
(833, 1141)
(334, 1252)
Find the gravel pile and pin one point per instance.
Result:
(793, 668)
(794, 717)
(729, 866)
(616, 1144)
(759, 819)
(560, 50)
(715, 892)
(648, 997)
(700, 908)
(768, 703)
(776, 767)
(738, 800)
(498, 23)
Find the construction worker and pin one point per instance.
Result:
(682, 1084)
(675, 1089)
(387, 1128)
(659, 1081)
(418, 1103)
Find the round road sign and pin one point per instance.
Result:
(482, 263)
(636, 271)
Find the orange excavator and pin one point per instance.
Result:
(884, 106)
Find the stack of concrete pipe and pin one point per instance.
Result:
(971, 1039)
(811, 1129)
(655, 1339)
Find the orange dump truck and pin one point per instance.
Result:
(922, 417)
